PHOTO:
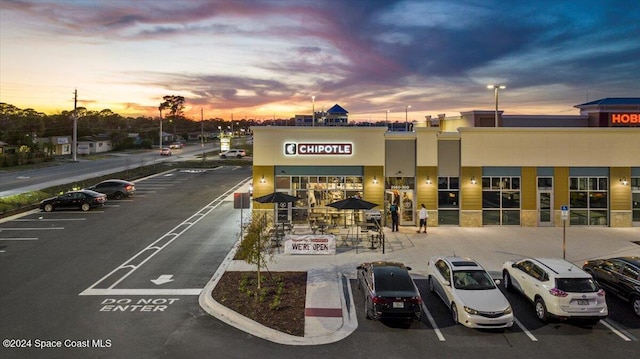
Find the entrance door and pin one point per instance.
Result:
(407, 210)
(545, 208)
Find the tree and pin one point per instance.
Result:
(254, 247)
(175, 105)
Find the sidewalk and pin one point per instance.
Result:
(330, 313)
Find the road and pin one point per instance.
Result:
(15, 182)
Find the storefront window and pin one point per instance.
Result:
(316, 192)
(448, 200)
(635, 198)
(501, 200)
(589, 200)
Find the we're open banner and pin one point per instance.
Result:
(310, 244)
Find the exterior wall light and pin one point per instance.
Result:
(428, 180)
(624, 181)
(473, 179)
(262, 180)
(375, 180)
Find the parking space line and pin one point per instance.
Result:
(616, 331)
(19, 239)
(29, 229)
(433, 323)
(525, 330)
(188, 291)
(48, 219)
(155, 248)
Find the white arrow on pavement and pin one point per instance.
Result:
(165, 278)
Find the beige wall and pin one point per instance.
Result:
(368, 145)
(603, 147)
(426, 147)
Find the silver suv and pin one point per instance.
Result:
(557, 288)
(233, 153)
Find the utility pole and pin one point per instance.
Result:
(74, 145)
(202, 135)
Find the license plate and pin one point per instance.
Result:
(583, 302)
(398, 304)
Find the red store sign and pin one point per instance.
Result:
(625, 119)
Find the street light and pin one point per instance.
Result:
(496, 88)
(313, 110)
(406, 117)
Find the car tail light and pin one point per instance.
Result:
(601, 293)
(381, 300)
(557, 292)
(416, 300)
(128, 187)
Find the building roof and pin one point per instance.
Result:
(612, 101)
(337, 109)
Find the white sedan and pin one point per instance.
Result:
(470, 293)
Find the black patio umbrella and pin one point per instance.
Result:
(352, 203)
(276, 197)
(355, 204)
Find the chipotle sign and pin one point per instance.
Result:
(303, 149)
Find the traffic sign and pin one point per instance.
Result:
(565, 212)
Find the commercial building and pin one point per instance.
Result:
(466, 171)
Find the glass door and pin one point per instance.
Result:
(545, 209)
(545, 201)
(407, 209)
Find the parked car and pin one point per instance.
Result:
(115, 188)
(84, 199)
(557, 288)
(389, 291)
(176, 145)
(233, 153)
(166, 151)
(472, 296)
(620, 276)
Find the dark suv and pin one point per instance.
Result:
(115, 188)
(389, 291)
(619, 276)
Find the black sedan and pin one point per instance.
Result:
(84, 199)
(389, 291)
(115, 188)
(619, 276)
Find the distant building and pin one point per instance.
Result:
(335, 116)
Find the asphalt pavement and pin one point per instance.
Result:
(330, 313)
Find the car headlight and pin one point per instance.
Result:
(508, 310)
(471, 311)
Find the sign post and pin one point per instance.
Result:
(565, 216)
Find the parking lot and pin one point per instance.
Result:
(130, 272)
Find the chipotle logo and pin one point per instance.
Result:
(340, 149)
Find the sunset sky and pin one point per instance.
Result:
(260, 59)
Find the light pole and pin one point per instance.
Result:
(160, 109)
(313, 110)
(496, 88)
(406, 118)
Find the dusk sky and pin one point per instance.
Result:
(260, 59)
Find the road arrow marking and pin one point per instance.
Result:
(165, 278)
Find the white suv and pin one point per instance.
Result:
(557, 288)
(233, 153)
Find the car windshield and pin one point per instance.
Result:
(392, 279)
(577, 285)
(472, 280)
